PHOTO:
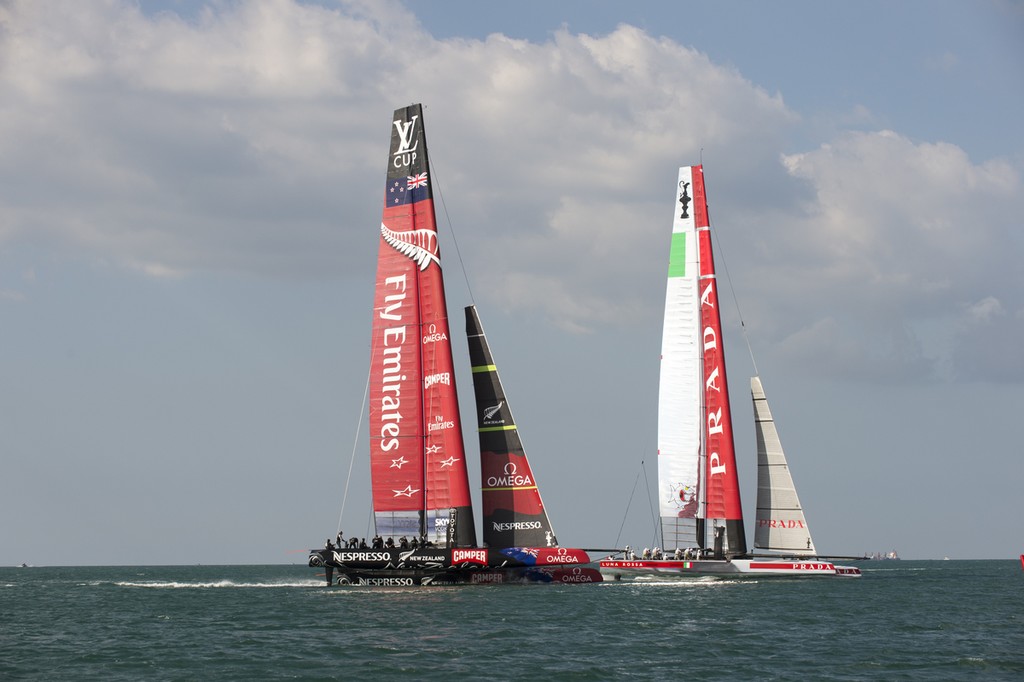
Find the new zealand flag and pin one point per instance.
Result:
(401, 191)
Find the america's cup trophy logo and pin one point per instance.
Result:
(684, 199)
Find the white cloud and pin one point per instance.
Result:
(947, 61)
(169, 146)
(988, 343)
(11, 295)
(986, 309)
(898, 233)
(251, 139)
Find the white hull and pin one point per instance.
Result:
(631, 569)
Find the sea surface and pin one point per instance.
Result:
(904, 620)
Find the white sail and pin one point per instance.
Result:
(681, 385)
(779, 524)
(700, 508)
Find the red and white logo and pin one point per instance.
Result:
(562, 556)
(476, 556)
(510, 478)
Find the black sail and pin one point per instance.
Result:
(513, 512)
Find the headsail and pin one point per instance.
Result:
(513, 514)
(779, 524)
(417, 459)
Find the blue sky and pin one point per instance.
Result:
(188, 195)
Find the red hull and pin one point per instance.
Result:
(620, 569)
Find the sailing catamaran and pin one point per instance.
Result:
(697, 479)
(423, 514)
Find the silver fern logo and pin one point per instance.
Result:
(491, 411)
(420, 246)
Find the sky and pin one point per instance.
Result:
(190, 195)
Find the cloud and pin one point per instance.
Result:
(11, 295)
(988, 343)
(828, 347)
(946, 62)
(229, 144)
(251, 138)
(898, 234)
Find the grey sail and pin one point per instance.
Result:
(779, 525)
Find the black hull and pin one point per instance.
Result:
(447, 566)
(413, 578)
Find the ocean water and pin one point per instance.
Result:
(904, 620)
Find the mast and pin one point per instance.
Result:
(417, 459)
(721, 479)
(513, 512)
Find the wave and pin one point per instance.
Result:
(680, 582)
(219, 584)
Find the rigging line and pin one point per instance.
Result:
(451, 228)
(355, 444)
(628, 503)
(654, 519)
(732, 289)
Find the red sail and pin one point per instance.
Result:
(417, 458)
(723, 490)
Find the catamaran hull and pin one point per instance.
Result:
(393, 567)
(614, 569)
(511, 576)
